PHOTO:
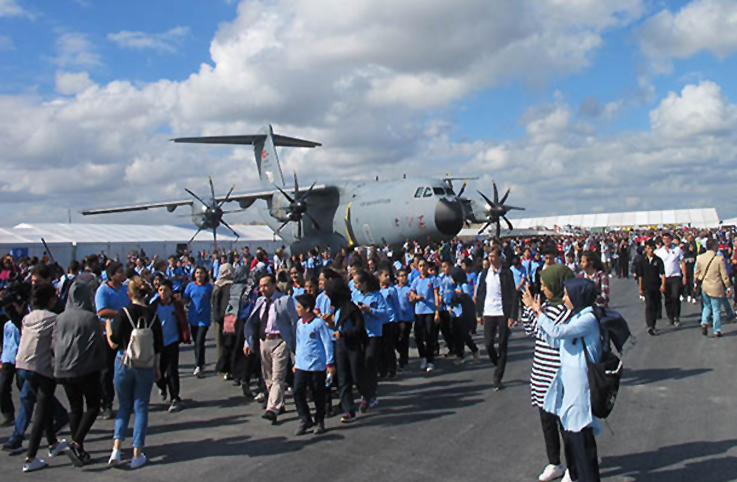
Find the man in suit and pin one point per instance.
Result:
(496, 303)
(715, 286)
(273, 321)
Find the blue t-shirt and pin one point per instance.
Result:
(406, 309)
(168, 317)
(519, 274)
(377, 316)
(175, 276)
(425, 288)
(447, 290)
(314, 346)
(199, 308)
(11, 342)
(392, 300)
(412, 276)
(472, 277)
(323, 303)
(108, 298)
(296, 291)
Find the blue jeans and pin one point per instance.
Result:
(712, 306)
(28, 402)
(134, 392)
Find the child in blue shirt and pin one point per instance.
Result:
(11, 340)
(388, 360)
(424, 293)
(199, 295)
(313, 357)
(406, 316)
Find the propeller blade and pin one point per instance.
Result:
(296, 186)
(484, 228)
(212, 188)
(508, 223)
(307, 193)
(195, 235)
(234, 211)
(215, 236)
(506, 195)
(498, 229)
(513, 208)
(488, 201)
(227, 196)
(195, 196)
(314, 221)
(289, 198)
(230, 227)
(282, 227)
(463, 188)
(496, 193)
(299, 229)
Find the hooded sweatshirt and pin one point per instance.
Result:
(34, 351)
(78, 341)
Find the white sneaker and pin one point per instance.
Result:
(688, 299)
(115, 458)
(61, 446)
(34, 465)
(681, 298)
(567, 477)
(197, 371)
(551, 472)
(260, 398)
(423, 364)
(139, 461)
(430, 367)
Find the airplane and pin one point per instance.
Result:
(339, 214)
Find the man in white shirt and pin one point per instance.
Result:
(675, 277)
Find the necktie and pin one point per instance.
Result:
(265, 318)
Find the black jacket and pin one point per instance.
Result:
(509, 293)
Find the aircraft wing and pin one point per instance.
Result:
(245, 199)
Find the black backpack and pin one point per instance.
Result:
(605, 375)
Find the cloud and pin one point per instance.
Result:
(75, 50)
(701, 25)
(6, 43)
(166, 42)
(11, 8)
(69, 83)
(363, 84)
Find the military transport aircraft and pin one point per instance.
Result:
(344, 213)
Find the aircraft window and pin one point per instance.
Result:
(418, 193)
(449, 191)
(439, 191)
(428, 192)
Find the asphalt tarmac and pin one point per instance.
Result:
(674, 421)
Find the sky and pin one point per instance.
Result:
(578, 106)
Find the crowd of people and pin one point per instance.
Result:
(326, 326)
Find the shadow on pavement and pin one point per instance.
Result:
(654, 375)
(646, 466)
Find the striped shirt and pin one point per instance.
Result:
(546, 360)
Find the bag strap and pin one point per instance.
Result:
(128, 315)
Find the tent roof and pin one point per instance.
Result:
(700, 218)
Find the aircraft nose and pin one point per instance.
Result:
(449, 217)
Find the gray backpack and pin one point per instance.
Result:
(140, 352)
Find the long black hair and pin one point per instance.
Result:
(372, 283)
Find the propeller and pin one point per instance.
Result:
(496, 210)
(212, 213)
(297, 207)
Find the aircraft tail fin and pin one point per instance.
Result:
(264, 149)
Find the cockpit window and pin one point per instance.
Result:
(439, 191)
(428, 192)
(418, 192)
(449, 191)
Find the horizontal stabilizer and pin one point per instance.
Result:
(279, 141)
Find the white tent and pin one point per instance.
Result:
(74, 241)
(698, 218)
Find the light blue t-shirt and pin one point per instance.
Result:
(406, 309)
(199, 309)
(108, 298)
(11, 342)
(392, 300)
(378, 314)
(425, 288)
(314, 346)
(168, 317)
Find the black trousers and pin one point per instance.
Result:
(462, 333)
(492, 326)
(351, 371)
(199, 333)
(581, 455)
(373, 353)
(7, 375)
(80, 390)
(43, 420)
(388, 361)
(106, 377)
(552, 432)
(426, 336)
(652, 303)
(169, 368)
(404, 332)
(673, 286)
(316, 382)
(446, 329)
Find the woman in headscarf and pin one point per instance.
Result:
(569, 396)
(546, 360)
(224, 336)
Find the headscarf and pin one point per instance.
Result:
(225, 275)
(582, 293)
(554, 277)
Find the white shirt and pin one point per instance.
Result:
(671, 259)
(493, 301)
